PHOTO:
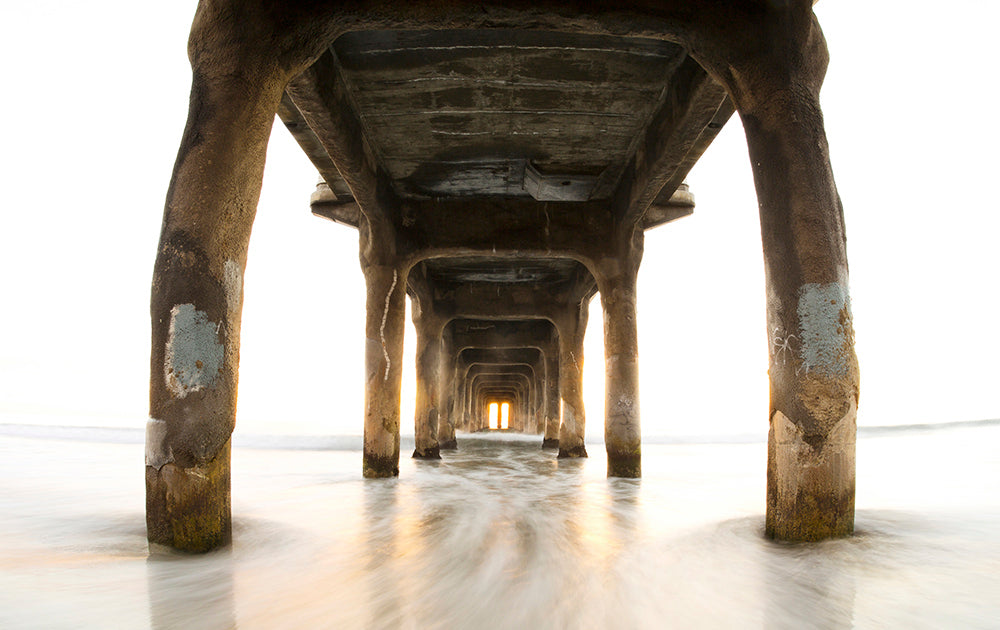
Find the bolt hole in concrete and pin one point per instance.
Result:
(499, 534)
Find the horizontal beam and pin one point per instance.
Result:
(693, 111)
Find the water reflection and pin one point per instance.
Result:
(808, 586)
(499, 534)
(193, 592)
(385, 607)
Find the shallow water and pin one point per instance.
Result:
(500, 534)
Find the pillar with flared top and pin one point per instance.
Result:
(197, 289)
(571, 328)
(622, 434)
(813, 367)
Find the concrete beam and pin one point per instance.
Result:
(694, 109)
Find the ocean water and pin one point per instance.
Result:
(500, 534)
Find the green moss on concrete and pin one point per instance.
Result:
(627, 466)
(427, 453)
(189, 509)
(576, 451)
(375, 467)
(814, 518)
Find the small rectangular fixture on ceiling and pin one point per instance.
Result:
(557, 187)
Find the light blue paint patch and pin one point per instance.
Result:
(194, 354)
(825, 338)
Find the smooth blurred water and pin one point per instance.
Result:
(500, 534)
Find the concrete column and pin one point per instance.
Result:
(551, 417)
(813, 368)
(197, 296)
(468, 415)
(429, 329)
(447, 418)
(551, 403)
(535, 422)
(622, 434)
(479, 412)
(385, 319)
(571, 329)
(461, 406)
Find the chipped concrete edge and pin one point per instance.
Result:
(158, 452)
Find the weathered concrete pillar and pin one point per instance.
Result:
(572, 329)
(428, 397)
(447, 418)
(384, 324)
(813, 368)
(465, 399)
(197, 295)
(461, 406)
(622, 433)
(535, 422)
(551, 404)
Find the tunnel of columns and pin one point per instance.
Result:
(501, 162)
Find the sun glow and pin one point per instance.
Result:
(499, 415)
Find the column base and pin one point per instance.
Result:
(428, 453)
(189, 509)
(550, 443)
(576, 451)
(375, 467)
(448, 445)
(626, 466)
(810, 485)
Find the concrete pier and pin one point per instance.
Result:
(501, 162)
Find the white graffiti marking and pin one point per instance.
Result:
(381, 330)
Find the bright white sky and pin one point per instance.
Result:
(96, 99)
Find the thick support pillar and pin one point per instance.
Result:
(813, 368)
(622, 434)
(197, 296)
(574, 420)
(384, 324)
(428, 404)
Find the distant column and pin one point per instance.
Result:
(469, 420)
(536, 421)
(447, 417)
(572, 328)
(551, 404)
(461, 406)
(428, 399)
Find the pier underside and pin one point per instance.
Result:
(501, 163)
